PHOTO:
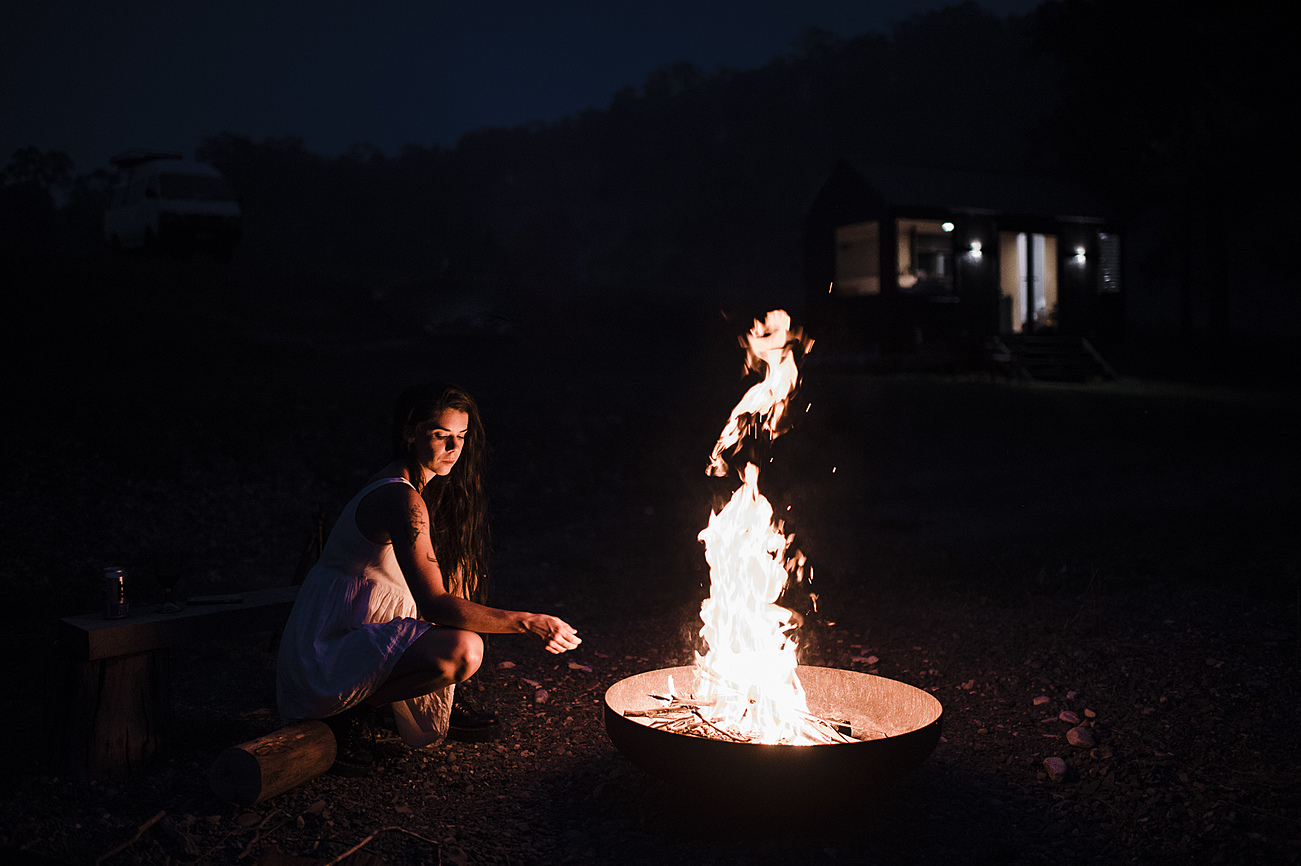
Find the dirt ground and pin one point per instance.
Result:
(1123, 552)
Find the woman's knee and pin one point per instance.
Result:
(467, 655)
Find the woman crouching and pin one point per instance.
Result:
(392, 612)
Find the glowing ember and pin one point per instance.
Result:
(749, 689)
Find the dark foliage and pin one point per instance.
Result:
(702, 178)
(1173, 104)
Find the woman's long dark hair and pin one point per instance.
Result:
(458, 501)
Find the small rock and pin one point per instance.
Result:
(248, 819)
(575, 666)
(1081, 736)
(213, 819)
(528, 682)
(502, 666)
(871, 660)
(541, 696)
(300, 822)
(1056, 768)
(1070, 696)
(177, 836)
(1053, 831)
(1068, 716)
(1101, 752)
(1042, 699)
(1090, 714)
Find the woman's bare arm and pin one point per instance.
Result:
(399, 513)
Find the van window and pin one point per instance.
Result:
(195, 187)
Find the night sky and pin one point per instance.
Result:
(92, 79)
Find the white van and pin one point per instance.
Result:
(163, 201)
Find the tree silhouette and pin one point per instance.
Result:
(696, 183)
(1169, 102)
(47, 169)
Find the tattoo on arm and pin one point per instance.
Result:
(415, 525)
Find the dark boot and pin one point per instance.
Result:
(353, 733)
(470, 724)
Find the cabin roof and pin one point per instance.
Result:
(975, 192)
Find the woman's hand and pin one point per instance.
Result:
(556, 635)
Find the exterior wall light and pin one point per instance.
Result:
(975, 250)
(948, 227)
(1079, 255)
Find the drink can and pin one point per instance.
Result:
(113, 586)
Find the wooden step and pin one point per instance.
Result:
(1049, 358)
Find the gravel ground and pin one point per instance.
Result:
(1193, 763)
(1117, 591)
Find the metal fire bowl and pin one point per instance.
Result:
(909, 719)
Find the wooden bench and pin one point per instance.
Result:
(112, 700)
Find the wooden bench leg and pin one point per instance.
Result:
(113, 716)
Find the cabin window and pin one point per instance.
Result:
(1108, 262)
(858, 259)
(925, 258)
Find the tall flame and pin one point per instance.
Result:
(768, 347)
(748, 678)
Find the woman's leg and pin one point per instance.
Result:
(439, 657)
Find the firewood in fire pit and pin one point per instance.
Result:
(683, 716)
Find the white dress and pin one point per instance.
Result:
(352, 620)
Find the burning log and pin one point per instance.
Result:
(254, 771)
(683, 716)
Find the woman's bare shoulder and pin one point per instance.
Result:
(389, 506)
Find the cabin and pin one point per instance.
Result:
(897, 256)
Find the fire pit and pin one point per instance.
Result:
(892, 726)
(746, 722)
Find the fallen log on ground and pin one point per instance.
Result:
(254, 771)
